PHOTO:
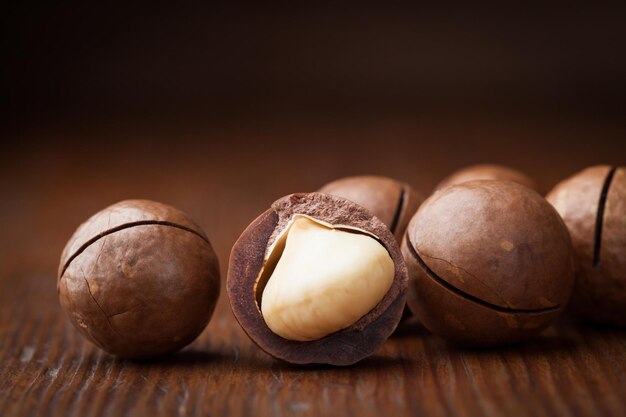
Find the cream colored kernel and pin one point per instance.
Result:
(326, 280)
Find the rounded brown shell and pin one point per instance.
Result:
(343, 347)
(487, 172)
(593, 206)
(139, 279)
(392, 201)
(490, 263)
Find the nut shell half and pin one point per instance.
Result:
(343, 347)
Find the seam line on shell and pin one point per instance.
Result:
(100, 235)
(597, 243)
(398, 212)
(431, 274)
(470, 274)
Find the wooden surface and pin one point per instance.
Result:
(53, 178)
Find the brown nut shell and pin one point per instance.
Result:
(392, 201)
(593, 206)
(343, 347)
(139, 279)
(490, 263)
(487, 172)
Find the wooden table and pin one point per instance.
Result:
(54, 177)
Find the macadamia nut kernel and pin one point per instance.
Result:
(326, 279)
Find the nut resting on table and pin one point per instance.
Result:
(593, 205)
(139, 279)
(317, 279)
(490, 263)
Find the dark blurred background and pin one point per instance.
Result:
(220, 110)
(105, 61)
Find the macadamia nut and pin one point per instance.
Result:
(490, 263)
(139, 279)
(317, 279)
(593, 206)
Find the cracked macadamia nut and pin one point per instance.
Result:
(593, 206)
(392, 201)
(317, 279)
(490, 263)
(487, 172)
(139, 279)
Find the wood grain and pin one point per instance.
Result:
(225, 178)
